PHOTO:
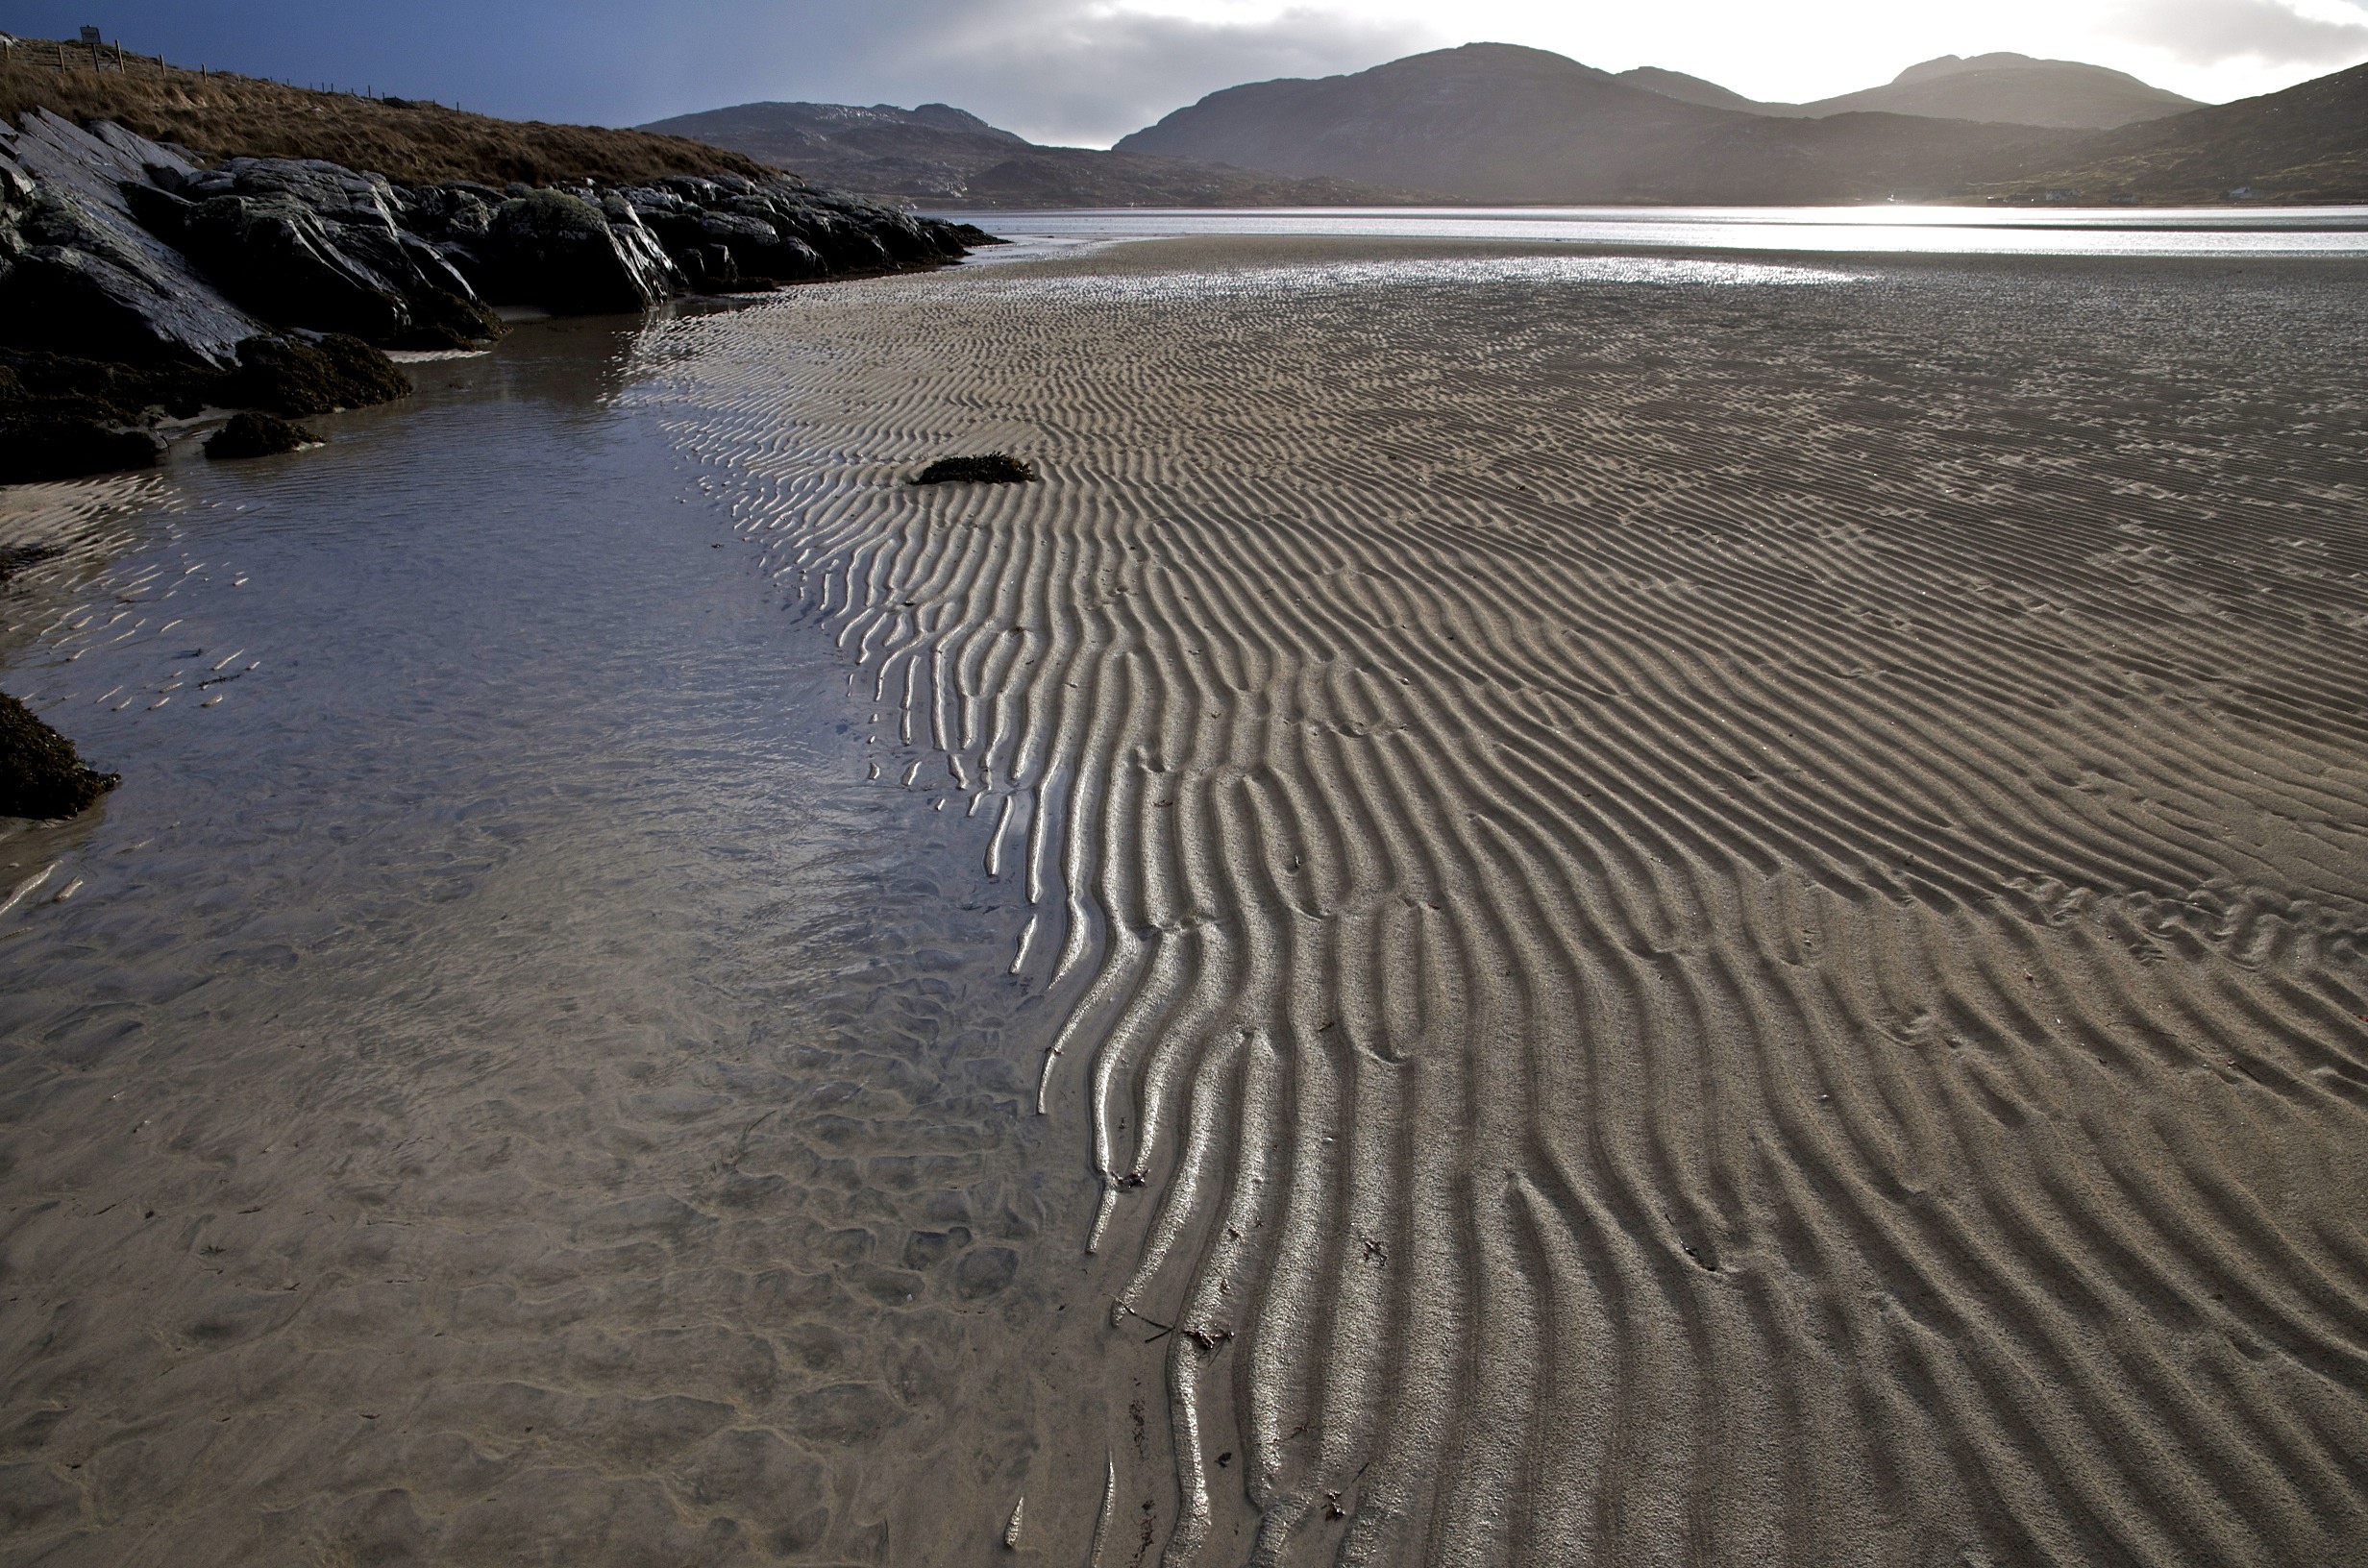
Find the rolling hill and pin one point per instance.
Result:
(2308, 143)
(940, 154)
(2005, 88)
(1493, 122)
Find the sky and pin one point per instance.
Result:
(1085, 72)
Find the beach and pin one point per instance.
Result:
(1540, 905)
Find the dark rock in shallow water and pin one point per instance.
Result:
(124, 394)
(560, 252)
(292, 376)
(55, 443)
(258, 436)
(40, 773)
(62, 418)
(994, 467)
(15, 559)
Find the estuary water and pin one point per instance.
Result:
(500, 1082)
(1883, 229)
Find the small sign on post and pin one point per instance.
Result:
(91, 35)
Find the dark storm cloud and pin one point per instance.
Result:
(1058, 69)
(2207, 32)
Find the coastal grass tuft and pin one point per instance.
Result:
(993, 468)
(218, 115)
(41, 775)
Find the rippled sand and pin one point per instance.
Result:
(1706, 912)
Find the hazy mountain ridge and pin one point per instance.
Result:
(1502, 123)
(2002, 88)
(937, 153)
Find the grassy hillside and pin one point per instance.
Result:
(2308, 143)
(218, 115)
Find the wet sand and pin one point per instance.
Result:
(1648, 910)
(1714, 910)
(504, 1087)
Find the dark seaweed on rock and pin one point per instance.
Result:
(65, 418)
(41, 775)
(61, 444)
(15, 559)
(994, 468)
(251, 434)
(290, 376)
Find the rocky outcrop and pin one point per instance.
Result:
(135, 284)
(566, 253)
(80, 274)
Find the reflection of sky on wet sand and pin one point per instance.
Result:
(500, 1079)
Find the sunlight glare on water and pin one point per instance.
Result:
(1891, 229)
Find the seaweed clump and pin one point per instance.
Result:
(258, 436)
(15, 559)
(994, 468)
(62, 417)
(67, 444)
(291, 377)
(41, 775)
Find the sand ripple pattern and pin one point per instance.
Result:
(1703, 922)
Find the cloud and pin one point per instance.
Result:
(1071, 70)
(2208, 32)
(1087, 70)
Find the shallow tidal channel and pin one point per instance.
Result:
(501, 1080)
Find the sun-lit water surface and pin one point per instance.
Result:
(1937, 230)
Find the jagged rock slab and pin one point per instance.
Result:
(82, 274)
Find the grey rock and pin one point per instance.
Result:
(560, 252)
(317, 246)
(83, 275)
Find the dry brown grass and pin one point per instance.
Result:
(217, 115)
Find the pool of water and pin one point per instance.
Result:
(501, 1080)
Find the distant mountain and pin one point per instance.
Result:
(1492, 122)
(1692, 89)
(929, 151)
(937, 153)
(2308, 143)
(2003, 88)
(2013, 88)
